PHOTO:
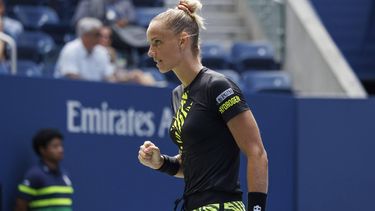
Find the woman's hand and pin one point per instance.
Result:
(149, 155)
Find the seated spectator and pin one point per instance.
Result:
(122, 74)
(11, 26)
(83, 58)
(106, 41)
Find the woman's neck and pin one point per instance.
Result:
(188, 72)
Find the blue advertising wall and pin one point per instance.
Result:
(319, 150)
(335, 165)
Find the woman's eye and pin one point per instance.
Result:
(156, 42)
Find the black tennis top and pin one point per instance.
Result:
(210, 155)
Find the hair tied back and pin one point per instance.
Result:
(185, 7)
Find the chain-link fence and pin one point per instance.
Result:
(271, 16)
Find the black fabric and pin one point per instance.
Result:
(210, 155)
(200, 199)
(170, 165)
(256, 201)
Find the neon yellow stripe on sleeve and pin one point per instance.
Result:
(51, 202)
(27, 190)
(46, 191)
(55, 189)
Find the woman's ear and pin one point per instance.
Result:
(183, 38)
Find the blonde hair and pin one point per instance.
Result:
(184, 18)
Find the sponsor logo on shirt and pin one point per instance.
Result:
(229, 103)
(224, 95)
(257, 208)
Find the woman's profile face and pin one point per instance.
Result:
(164, 46)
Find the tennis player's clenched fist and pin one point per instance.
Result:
(149, 155)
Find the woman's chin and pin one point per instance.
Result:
(162, 69)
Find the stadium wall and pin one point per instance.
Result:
(317, 66)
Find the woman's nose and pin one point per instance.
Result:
(150, 53)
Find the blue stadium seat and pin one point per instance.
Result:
(4, 68)
(45, 19)
(23, 2)
(64, 8)
(35, 17)
(145, 14)
(267, 82)
(214, 56)
(252, 56)
(34, 46)
(148, 3)
(232, 75)
(29, 68)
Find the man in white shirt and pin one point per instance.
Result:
(83, 58)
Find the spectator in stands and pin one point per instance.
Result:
(11, 26)
(83, 58)
(46, 186)
(123, 75)
(119, 14)
(106, 41)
